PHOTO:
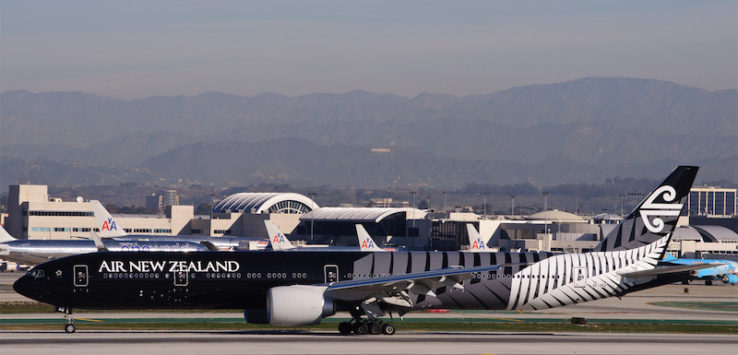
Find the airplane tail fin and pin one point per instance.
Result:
(276, 238)
(366, 243)
(5, 236)
(108, 227)
(476, 244)
(656, 216)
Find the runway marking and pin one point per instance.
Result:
(90, 320)
(507, 319)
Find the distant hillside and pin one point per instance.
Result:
(591, 123)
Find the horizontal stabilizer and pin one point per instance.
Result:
(209, 245)
(659, 270)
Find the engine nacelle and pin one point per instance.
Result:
(298, 305)
(256, 316)
(730, 279)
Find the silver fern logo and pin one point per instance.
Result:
(650, 209)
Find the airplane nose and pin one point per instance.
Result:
(23, 286)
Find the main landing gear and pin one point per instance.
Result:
(360, 326)
(69, 327)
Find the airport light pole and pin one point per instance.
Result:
(545, 212)
(512, 201)
(444, 201)
(312, 197)
(484, 193)
(414, 193)
(212, 207)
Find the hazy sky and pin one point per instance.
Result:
(136, 49)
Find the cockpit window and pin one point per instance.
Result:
(36, 273)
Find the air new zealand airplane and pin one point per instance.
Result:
(302, 287)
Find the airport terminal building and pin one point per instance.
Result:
(34, 214)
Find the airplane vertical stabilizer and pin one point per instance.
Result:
(109, 227)
(476, 244)
(366, 243)
(276, 238)
(656, 216)
(5, 236)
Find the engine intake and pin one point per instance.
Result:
(298, 305)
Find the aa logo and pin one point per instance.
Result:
(109, 225)
(365, 244)
(279, 238)
(478, 244)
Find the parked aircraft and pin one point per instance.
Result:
(109, 228)
(278, 241)
(476, 244)
(723, 270)
(366, 243)
(303, 287)
(36, 251)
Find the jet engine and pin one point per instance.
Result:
(730, 279)
(298, 305)
(256, 316)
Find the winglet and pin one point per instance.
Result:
(5, 236)
(108, 227)
(276, 238)
(366, 243)
(476, 244)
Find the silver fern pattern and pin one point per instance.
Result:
(572, 278)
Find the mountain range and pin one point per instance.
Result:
(583, 130)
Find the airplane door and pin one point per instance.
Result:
(81, 276)
(331, 273)
(181, 278)
(580, 277)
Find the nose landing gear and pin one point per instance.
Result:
(69, 327)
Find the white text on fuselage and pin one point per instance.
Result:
(169, 266)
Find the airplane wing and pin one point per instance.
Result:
(390, 293)
(276, 238)
(366, 243)
(659, 270)
(108, 227)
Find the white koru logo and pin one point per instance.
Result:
(650, 209)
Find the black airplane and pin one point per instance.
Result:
(302, 287)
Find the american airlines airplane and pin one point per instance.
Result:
(109, 228)
(303, 287)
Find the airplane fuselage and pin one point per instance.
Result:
(36, 251)
(241, 279)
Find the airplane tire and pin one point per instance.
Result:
(361, 329)
(388, 329)
(344, 328)
(375, 328)
(70, 328)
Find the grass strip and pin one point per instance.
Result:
(402, 326)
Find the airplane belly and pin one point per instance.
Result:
(485, 294)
